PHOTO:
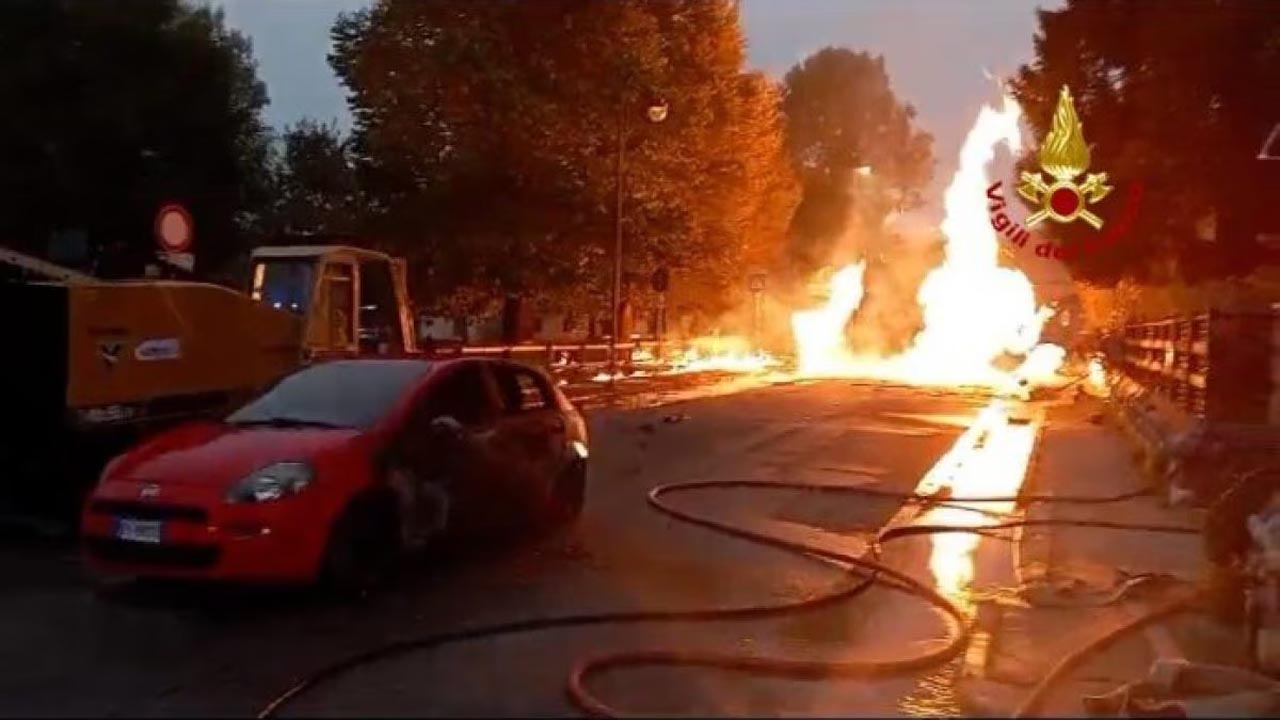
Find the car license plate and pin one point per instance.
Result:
(141, 531)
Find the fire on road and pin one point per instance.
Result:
(989, 460)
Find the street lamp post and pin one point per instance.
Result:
(656, 113)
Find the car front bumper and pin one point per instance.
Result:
(199, 539)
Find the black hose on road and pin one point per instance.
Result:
(865, 569)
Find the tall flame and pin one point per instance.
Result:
(821, 348)
(974, 310)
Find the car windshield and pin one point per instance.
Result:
(347, 394)
(284, 284)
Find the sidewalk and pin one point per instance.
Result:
(1078, 583)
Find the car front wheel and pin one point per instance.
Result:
(569, 493)
(363, 549)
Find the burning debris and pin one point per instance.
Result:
(712, 353)
(730, 353)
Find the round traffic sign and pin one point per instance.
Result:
(660, 280)
(174, 229)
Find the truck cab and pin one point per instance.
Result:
(352, 301)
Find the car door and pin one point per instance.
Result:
(533, 430)
(468, 466)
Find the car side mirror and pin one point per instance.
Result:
(445, 428)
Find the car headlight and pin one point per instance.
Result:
(271, 483)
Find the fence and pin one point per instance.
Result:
(1216, 366)
(547, 354)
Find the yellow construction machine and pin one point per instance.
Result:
(93, 364)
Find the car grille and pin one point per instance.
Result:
(149, 511)
(184, 556)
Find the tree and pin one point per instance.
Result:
(315, 187)
(1177, 95)
(488, 132)
(855, 147)
(112, 107)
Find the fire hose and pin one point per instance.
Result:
(866, 569)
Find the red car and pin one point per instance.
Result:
(339, 468)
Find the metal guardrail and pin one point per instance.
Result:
(549, 353)
(1171, 357)
(1215, 366)
(1223, 370)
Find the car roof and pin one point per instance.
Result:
(388, 362)
(511, 362)
(433, 366)
(495, 362)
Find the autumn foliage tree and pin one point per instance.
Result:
(488, 135)
(855, 147)
(1177, 95)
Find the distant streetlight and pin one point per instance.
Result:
(864, 171)
(656, 113)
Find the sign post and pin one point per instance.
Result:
(661, 282)
(756, 283)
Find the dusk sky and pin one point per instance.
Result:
(937, 51)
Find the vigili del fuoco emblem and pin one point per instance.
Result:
(1064, 156)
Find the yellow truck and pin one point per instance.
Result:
(93, 364)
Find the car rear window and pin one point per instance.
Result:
(353, 394)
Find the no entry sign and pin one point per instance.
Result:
(174, 229)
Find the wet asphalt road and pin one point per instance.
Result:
(68, 648)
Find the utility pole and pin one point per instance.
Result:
(661, 282)
(756, 283)
(615, 301)
(656, 113)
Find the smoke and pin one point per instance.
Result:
(897, 252)
(890, 316)
(761, 324)
(897, 255)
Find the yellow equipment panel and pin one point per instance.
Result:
(135, 341)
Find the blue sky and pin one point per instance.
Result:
(936, 51)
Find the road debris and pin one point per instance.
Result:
(1178, 688)
(1065, 592)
